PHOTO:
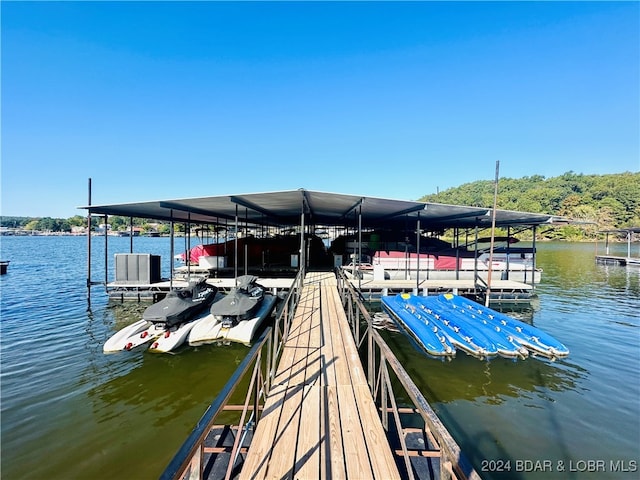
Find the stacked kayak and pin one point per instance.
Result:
(461, 324)
(428, 334)
(533, 339)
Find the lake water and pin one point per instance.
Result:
(71, 412)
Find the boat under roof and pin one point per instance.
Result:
(285, 208)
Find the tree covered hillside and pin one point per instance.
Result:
(609, 201)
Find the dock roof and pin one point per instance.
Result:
(622, 230)
(284, 208)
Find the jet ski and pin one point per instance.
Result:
(241, 302)
(181, 305)
(164, 318)
(237, 316)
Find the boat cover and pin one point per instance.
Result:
(180, 305)
(242, 300)
(212, 249)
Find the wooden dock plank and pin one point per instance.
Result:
(349, 349)
(298, 373)
(333, 464)
(374, 435)
(353, 443)
(328, 360)
(269, 431)
(310, 438)
(359, 417)
(255, 465)
(309, 444)
(357, 457)
(334, 339)
(309, 448)
(287, 366)
(319, 420)
(283, 456)
(282, 459)
(313, 371)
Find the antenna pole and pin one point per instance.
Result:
(493, 233)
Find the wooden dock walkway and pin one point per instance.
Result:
(319, 419)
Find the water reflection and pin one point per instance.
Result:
(489, 382)
(572, 266)
(90, 415)
(158, 400)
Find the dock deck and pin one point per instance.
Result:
(507, 291)
(319, 419)
(314, 413)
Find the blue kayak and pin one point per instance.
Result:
(505, 343)
(530, 337)
(428, 334)
(466, 337)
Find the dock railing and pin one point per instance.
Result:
(381, 362)
(190, 460)
(261, 361)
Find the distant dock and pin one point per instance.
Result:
(618, 260)
(624, 261)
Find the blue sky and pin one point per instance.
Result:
(163, 100)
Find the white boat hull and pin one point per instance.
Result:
(208, 329)
(172, 338)
(132, 336)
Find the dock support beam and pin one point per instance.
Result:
(89, 250)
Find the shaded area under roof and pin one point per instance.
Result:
(328, 209)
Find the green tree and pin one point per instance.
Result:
(31, 225)
(77, 221)
(613, 200)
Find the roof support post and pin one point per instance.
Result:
(246, 241)
(89, 250)
(493, 233)
(457, 246)
(418, 254)
(188, 237)
(106, 251)
(130, 234)
(172, 230)
(508, 250)
(475, 258)
(301, 255)
(359, 260)
(235, 251)
(533, 271)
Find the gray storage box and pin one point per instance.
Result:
(137, 268)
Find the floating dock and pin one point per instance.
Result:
(626, 260)
(501, 291)
(618, 260)
(121, 291)
(319, 418)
